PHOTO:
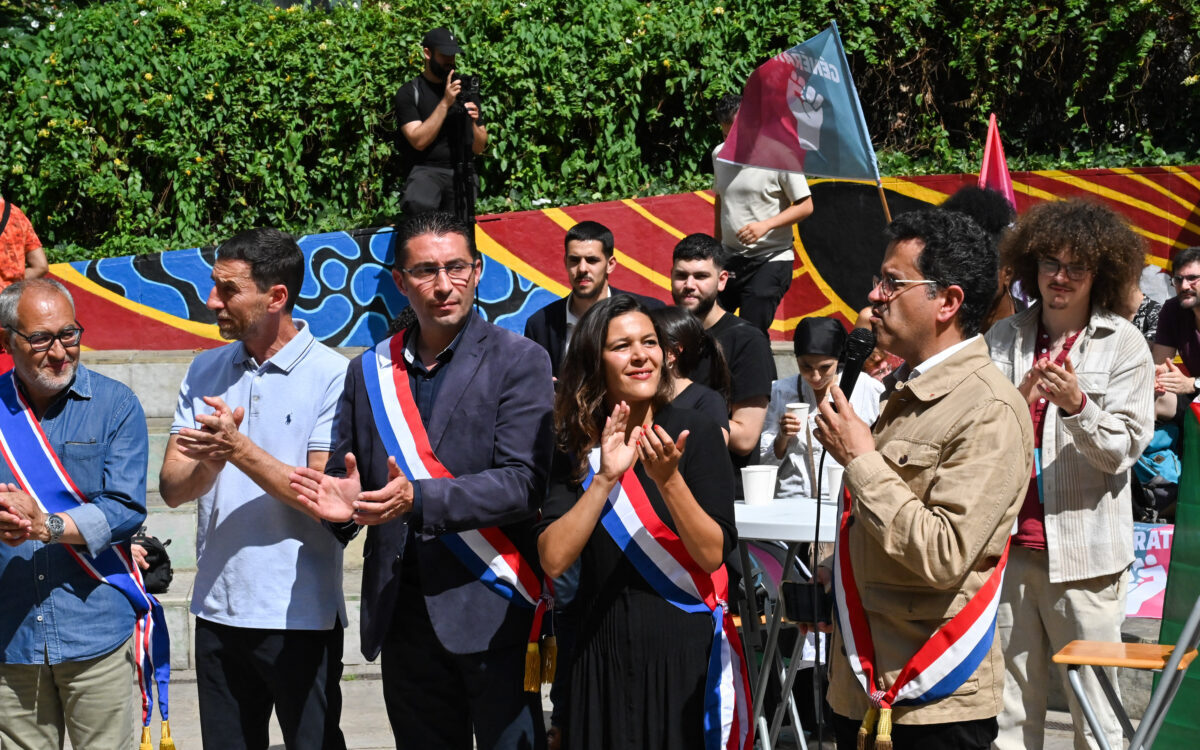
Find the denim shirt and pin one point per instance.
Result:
(52, 610)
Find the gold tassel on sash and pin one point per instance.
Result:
(533, 668)
(147, 743)
(164, 741)
(883, 735)
(867, 730)
(549, 659)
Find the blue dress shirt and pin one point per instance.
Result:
(53, 611)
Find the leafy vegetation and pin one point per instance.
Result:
(143, 125)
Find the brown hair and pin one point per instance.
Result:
(1091, 233)
(579, 404)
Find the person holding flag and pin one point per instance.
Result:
(754, 213)
(441, 442)
(931, 495)
(76, 624)
(641, 493)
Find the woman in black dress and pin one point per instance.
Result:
(641, 674)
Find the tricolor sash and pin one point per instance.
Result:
(488, 553)
(40, 474)
(660, 557)
(940, 666)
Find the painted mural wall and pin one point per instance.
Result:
(157, 302)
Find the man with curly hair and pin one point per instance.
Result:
(1089, 381)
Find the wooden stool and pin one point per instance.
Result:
(1171, 661)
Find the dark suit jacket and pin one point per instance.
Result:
(548, 326)
(491, 427)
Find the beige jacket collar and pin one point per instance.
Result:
(948, 375)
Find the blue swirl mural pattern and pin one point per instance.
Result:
(348, 297)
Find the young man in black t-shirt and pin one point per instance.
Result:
(429, 122)
(697, 276)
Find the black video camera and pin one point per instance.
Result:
(469, 91)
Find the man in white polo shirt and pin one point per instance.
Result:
(268, 592)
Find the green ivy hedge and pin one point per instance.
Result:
(142, 125)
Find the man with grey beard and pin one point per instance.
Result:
(66, 656)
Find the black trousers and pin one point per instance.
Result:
(436, 699)
(960, 735)
(244, 673)
(428, 189)
(755, 288)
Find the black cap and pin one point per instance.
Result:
(825, 337)
(442, 40)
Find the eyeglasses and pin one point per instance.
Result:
(1180, 279)
(1051, 267)
(458, 272)
(43, 341)
(890, 287)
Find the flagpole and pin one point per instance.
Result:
(887, 213)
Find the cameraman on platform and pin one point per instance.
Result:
(438, 114)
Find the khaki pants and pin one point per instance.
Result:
(92, 700)
(1035, 619)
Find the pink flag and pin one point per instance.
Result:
(993, 174)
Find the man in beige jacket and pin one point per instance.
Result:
(1089, 381)
(934, 488)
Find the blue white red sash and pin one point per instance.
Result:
(41, 475)
(660, 557)
(943, 663)
(487, 553)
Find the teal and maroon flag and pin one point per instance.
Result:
(800, 113)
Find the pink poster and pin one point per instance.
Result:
(1148, 576)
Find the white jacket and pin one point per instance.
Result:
(1086, 457)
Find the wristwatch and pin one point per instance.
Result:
(1196, 384)
(55, 527)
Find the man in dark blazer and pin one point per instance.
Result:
(453, 650)
(588, 257)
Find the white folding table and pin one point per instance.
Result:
(794, 522)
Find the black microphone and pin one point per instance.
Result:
(859, 346)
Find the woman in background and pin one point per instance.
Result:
(819, 345)
(685, 344)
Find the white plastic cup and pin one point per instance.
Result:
(831, 485)
(799, 408)
(758, 484)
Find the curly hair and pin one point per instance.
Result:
(580, 405)
(1091, 233)
(988, 208)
